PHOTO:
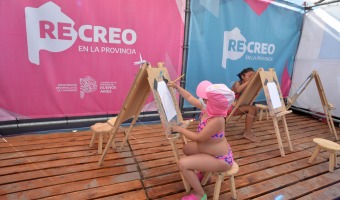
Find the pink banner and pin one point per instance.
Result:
(76, 58)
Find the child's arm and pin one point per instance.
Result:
(209, 130)
(186, 95)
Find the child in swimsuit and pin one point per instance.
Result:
(238, 87)
(209, 150)
(227, 157)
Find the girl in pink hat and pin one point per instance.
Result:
(209, 150)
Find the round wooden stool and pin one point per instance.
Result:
(329, 146)
(101, 130)
(220, 177)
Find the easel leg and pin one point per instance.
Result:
(176, 154)
(325, 104)
(184, 139)
(330, 122)
(108, 145)
(140, 107)
(287, 132)
(128, 133)
(100, 143)
(278, 136)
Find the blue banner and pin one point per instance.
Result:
(228, 36)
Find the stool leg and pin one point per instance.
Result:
(93, 138)
(315, 153)
(100, 143)
(332, 161)
(218, 187)
(105, 137)
(335, 162)
(267, 114)
(113, 144)
(206, 177)
(232, 187)
(260, 115)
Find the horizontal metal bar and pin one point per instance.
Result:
(101, 119)
(63, 122)
(322, 4)
(313, 113)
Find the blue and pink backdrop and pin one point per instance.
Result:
(75, 58)
(228, 36)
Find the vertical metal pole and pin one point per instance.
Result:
(185, 49)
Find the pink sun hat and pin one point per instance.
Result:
(201, 89)
(220, 97)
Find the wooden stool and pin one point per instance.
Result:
(220, 177)
(102, 130)
(262, 108)
(328, 145)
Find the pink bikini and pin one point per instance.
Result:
(228, 158)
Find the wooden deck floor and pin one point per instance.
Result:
(62, 166)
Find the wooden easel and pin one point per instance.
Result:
(267, 80)
(327, 107)
(145, 82)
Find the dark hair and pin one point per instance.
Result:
(244, 71)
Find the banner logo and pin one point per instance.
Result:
(48, 28)
(87, 85)
(235, 46)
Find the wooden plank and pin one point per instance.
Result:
(103, 191)
(56, 167)
(139, 194)
(161, 153)
(25, 185)
(39, 173)
(58, 163)
(264, 187)
(155, 147)
(161, 180)
(157, 171)
(165, 190)
(305, 187)
(44, 157)
(329, 192)
(160, 162)
(74, 186)
(259, 173)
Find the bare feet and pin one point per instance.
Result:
(250, 136)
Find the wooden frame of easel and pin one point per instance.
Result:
(267, 80)
(327, 107)
(141, 88)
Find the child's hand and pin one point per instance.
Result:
(172, 84)
(176, 129)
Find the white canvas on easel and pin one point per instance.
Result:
(274, 95)
(167, 101)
